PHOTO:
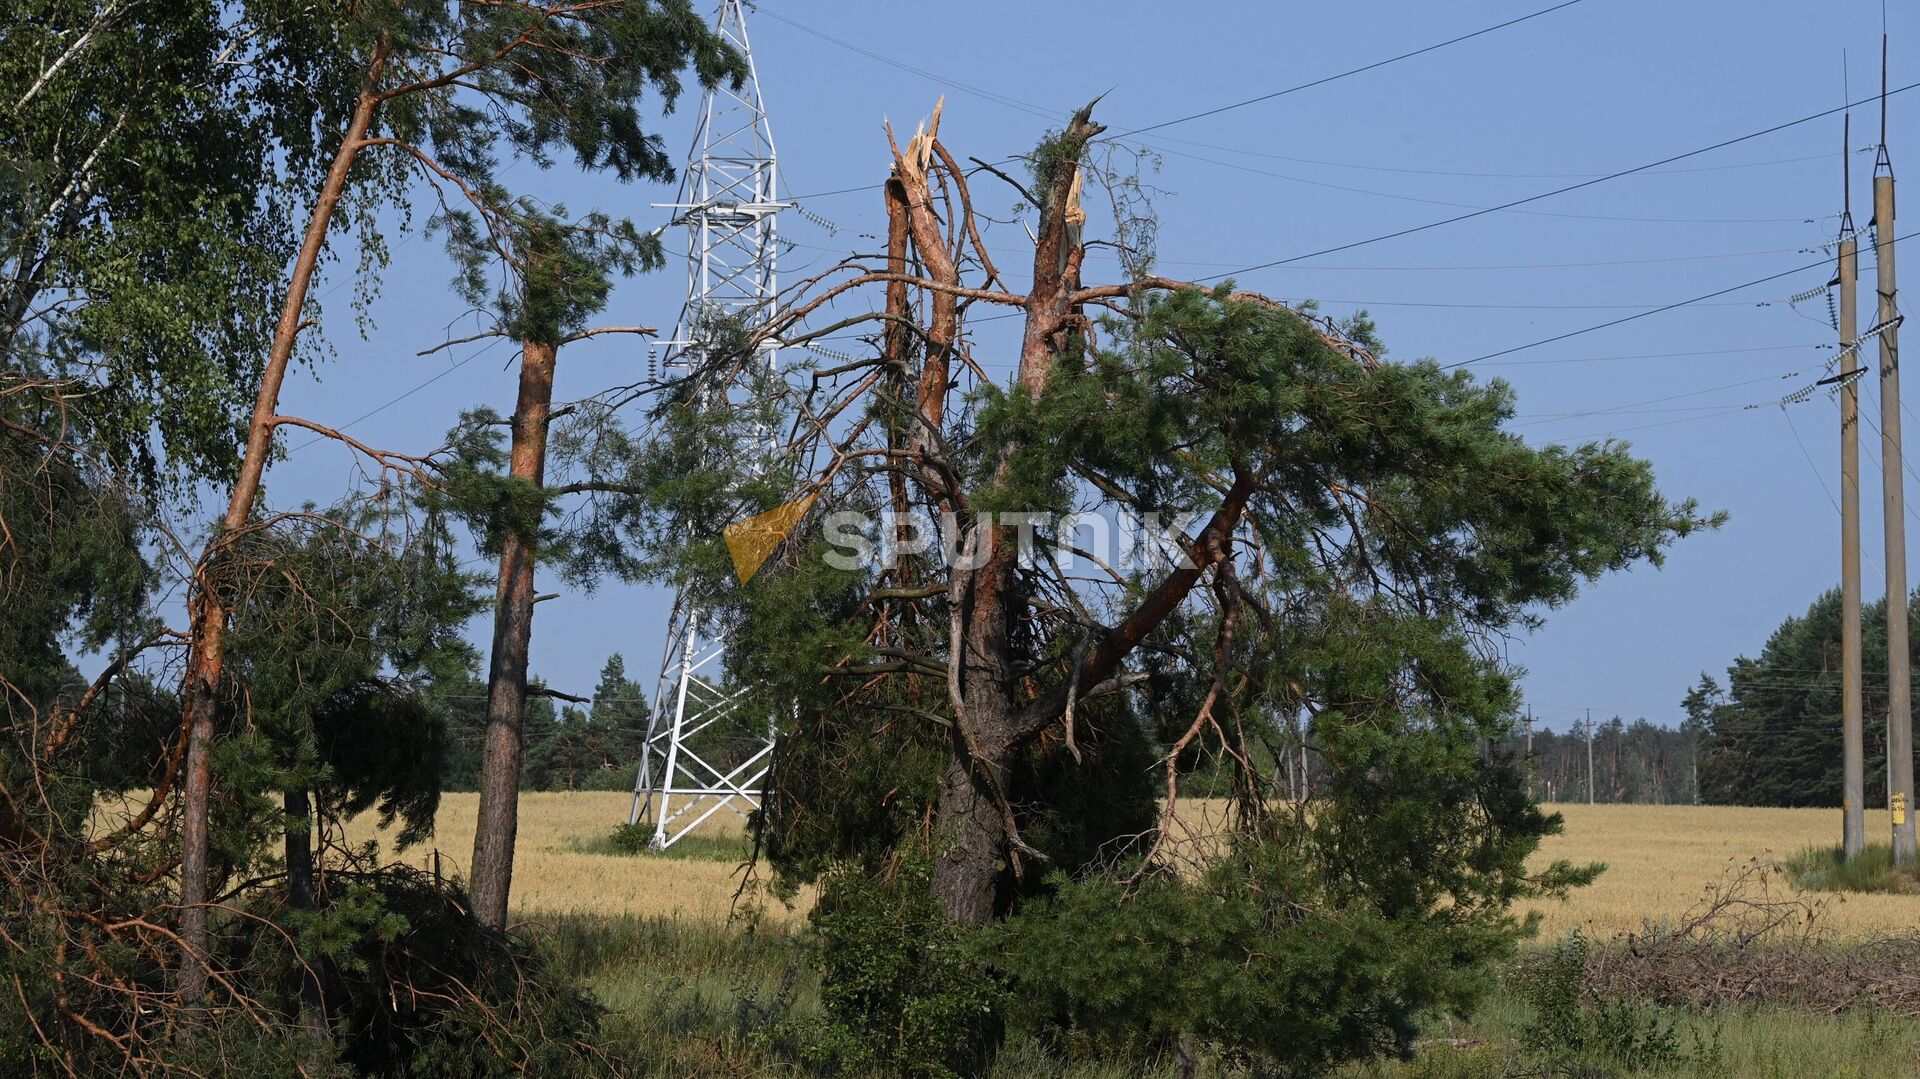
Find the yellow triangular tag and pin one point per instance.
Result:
(751, 540)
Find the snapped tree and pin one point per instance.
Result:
(1359, 527)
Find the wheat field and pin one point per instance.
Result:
(1660, 860)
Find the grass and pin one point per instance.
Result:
(1735, 1043)
(692, 999)
(1828, 869)
(694, 994)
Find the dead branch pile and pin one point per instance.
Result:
(1752, 941)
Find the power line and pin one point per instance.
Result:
(1032, 109)
(1822, 264)
(1821, 476)
(1628, 408)
(1015, 103)
(1662, 355)
(1457, 218)
(370, 413)
(1344, 74)
(1472, 175)
(990, 95)
(1103, 252)
(1646, 426)
(1469, 206)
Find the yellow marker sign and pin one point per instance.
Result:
(752, 540)
(1899, 809)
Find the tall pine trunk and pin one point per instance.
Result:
(208, 614)
(503, 746)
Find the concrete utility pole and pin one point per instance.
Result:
(1529, 751)
(1853, 825)
(1589, 756)
(1893, 504)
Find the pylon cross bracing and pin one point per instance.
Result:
(696, 760)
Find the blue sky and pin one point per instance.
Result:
(1600, 86)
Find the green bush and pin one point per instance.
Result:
(1256, 963)
(1573, 1028)
(631, 839)
(902, 989)
(415, 986)
(1828, 869)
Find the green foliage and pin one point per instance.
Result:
(1263, 960)
(538, 724)
(557, 273)
(902, 989)
(598, 748)
(630, 839)
(338, 621)
(151, 173)
(1080, 810)
(1638, 762)
(72, 565)
(1769, 734)
(1570, 1027)
(1391, 525)
(415, 985)
(459, 700)
(1828, 869)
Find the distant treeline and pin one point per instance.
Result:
(568, 747)
(1772, 734)
(1635, 762)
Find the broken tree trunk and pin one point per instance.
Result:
(975, 834)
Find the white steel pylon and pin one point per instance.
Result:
(694, 762)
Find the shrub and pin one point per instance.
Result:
(902, 989)
(631, 839)
(1255, 962)
(1828, 869)
(1570, 1025)
(415, 986)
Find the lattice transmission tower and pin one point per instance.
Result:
(693, 763)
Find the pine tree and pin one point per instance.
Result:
(997, 728)
(1772, 736)
(618, 721)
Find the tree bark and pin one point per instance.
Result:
(969, 841)
(208, 614)
(503, 747)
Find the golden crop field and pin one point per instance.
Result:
(552, 874)
(1660, 860)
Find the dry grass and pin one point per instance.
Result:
(1659, 861)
